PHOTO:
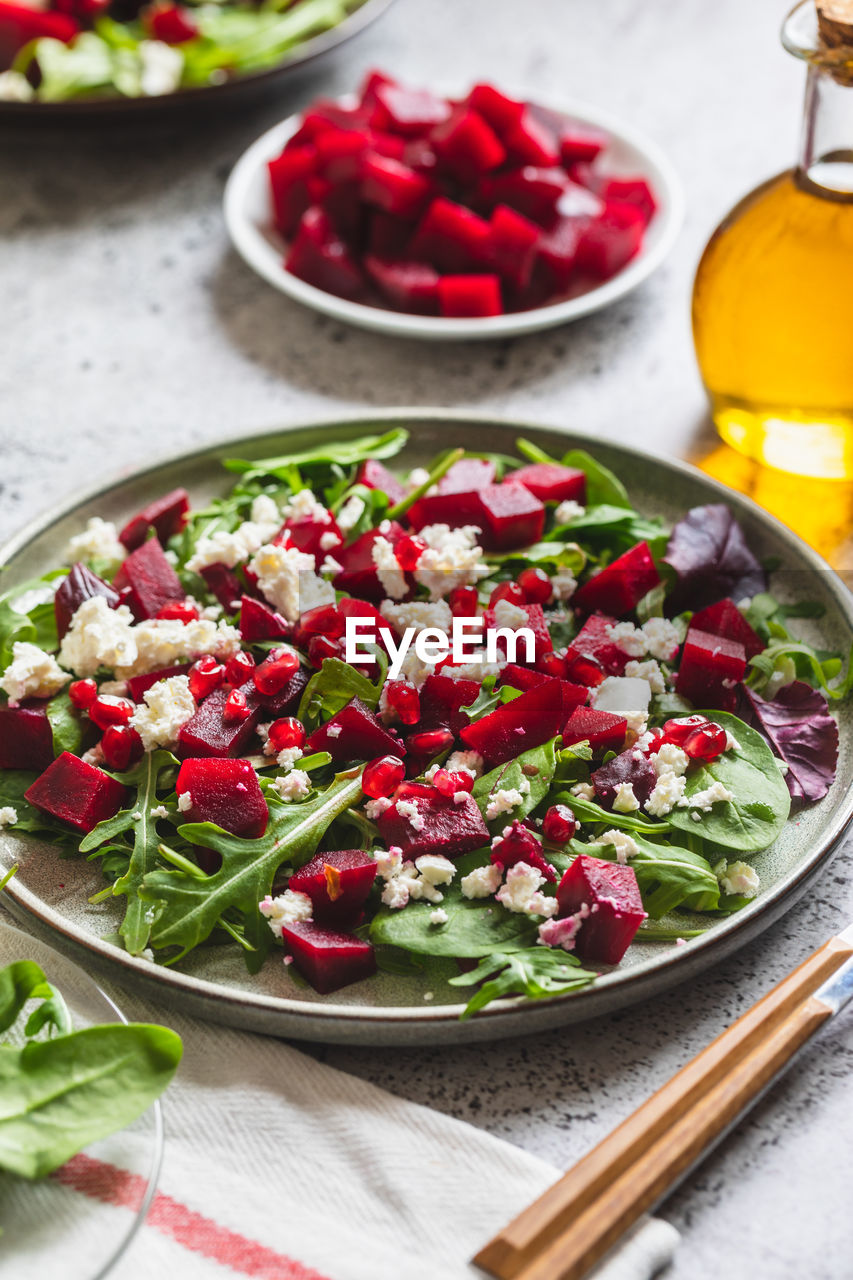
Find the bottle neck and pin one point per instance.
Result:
(826, 149)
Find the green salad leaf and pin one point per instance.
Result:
(667, 875)
(535, 972)
(344, 453)
(332, 687)
(530, 773)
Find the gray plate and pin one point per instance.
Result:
(50, 894)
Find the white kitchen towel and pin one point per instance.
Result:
(280, 1168)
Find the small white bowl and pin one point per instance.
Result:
(248, 217)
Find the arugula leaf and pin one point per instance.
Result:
(534, 768)
(61, 1095)
(190, 906)
(488, 698)
(65, 724)
(536, 972)
(667, 874)
(343, 452)
(760, 804)
(332, 687)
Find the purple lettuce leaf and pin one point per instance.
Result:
(708, 552)
(801, 731)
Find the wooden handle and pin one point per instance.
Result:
(616, 1179)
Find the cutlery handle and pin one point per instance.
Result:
(576, 1220)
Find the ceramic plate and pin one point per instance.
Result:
(70, 1225)
(248, 218)
(51, 893)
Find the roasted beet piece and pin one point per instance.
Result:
(387, 184)
(319, 256)
(225, 792)
(358, 575)
(26, 738)
(289, 174)
(337, 884)
(621, 585)
(209, 733)
(411, 286)
(512, 245)
(607, 898)
(81, 584)
(150, 580)
(462, 296)
(442, 700)
(409, 112)
(518, 843)
(453, 509)
(224, 584)
(624, 768)
(467, 475)
(711, 667)
(375, 475)
(551, 482)
(451, 237)
(513, 516)
(534, 192)
(445, 827)
(466, 144)
(594, 641)
(137, 685)
(258, 621)
(516, 726)
(725, 619)
(535, 623)
(355, 734)
(19, 24)
(602, 729)
(608, 243)
(327, 959)
(76, 792)
(166, 516)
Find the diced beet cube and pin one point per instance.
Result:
(26, 737)
(533, 191)
(138, 685)
(512, 516)
(725, 619)
(358, 575)
(530, 141)
(608, 243)
(550, 482)
(373, 81)
(579, 141)
(603, 730)
(151, 580)
(623, 768)
(81, 584)
(453, 509)
(465, 143)
(387, 184)
(518, 843)
(467, 475)
(224, 584)
(524, 678)
(583, 669)
(557, 253)
(307, 533)
(346, 212)
(19, 24)
(516, 726)
(409, 112)
(166, 516)
(451, 237)
(410, 286)
(208, 733)
(447, 828)
(500, 112)
(535, 623)
(387, 238)
(340, 155)
(360, 736)
(76, 792)
(594, 641)
(635, 191)
(442, 700)
(469, 296)
(608, 897)
(375, 475)
(327, 959)
(289, 174)
(320, 257)
(258, 621)
(337, 884)
(512, 245)
(226, 792)
(711, 667)
(621, 585)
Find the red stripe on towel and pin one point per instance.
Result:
(111, 1185)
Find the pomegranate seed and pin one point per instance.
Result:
(582, 669)
(464, 602)
(403, 698)
(239, 668)
(510, 591)
(121, 746)
(236, 707)
(536, 585)
(450, 783)
(179, 611)
(325, 620)
(656, 742)
(286, 733)
(82, 693)
(107, 710)
(431, 742)
(382, 776)
(559, 824)
(706, 743)
(271, 676)
(409, 551)
(205, 675)
(552, 664)
(677, 731)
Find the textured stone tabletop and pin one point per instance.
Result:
(130, 329)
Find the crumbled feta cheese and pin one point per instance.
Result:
(408, 809)
(568, 510)
(161, 68)
(626, 846)
(439, 916)
(236, 547)
(703, 800)
(465, 762)
(103, 637)
(649, 671)
(388, 863)
(627, 638)
(510, 615)
(670, 759)
(334, 730)
(452, 559)
(418, 886)
(562, 933)
(159, 811)
(388, 571)
(661, 638)
(460, 797)
(623, 695)
(417, 614)
(350, 513)
(99, 541)
(287, 758)
(564, 584)
(32, 673)
(435, 869)
(415, 671)
(265, 511)
(289, 907)
(8, 816)
(115, 688)
(396, 893)
(167, 708)
(482, 881)
(417, 477)
(740, 878)
(15, 87)
(732, 743)
(331, 566)
(328, 542)
(185, 801)
(668, 792)
(375, 808)
(292, 786)
(136, 815)
(625, 801)
(520, 891)
(304, 506)
(94, 755)
(583, 790)
(474, 670)
(286, 578)
(503, 801)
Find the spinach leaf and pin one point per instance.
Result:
(344, 453)
(475, 927)
(20, 981)
(332, 687)
(13, 784)
(602, 486)
(551, 556)
(60, 1095)
(616, 526)
(588, 811)
(65, 724)
(191, 905)
(759, 809)
(535, 972)
(533, 768)
(667, 875)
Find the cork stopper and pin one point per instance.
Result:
(835, 25)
